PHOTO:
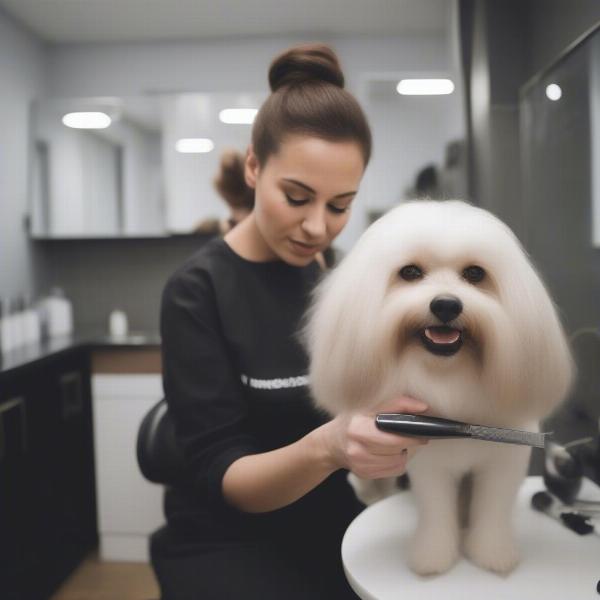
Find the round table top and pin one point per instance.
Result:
(556, 563)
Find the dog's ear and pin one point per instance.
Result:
(549, 371)
(346, 360)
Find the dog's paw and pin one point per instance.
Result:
(494, 551)
(434, 554)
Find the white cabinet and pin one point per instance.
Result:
(129, 507)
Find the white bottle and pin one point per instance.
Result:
(117, 324)
(59, 314)
(5, 329)
(18, 323)
(31, 323)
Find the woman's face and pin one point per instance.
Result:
(303, 195)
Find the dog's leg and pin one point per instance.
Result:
(489, 541)
(435, 545)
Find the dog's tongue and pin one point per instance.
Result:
(442, 335)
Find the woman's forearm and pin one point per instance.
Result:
(270, 480)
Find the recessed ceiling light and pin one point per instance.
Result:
(238, 116)
(194, 145)
(553, 91)
(87, 120)
(425, 87)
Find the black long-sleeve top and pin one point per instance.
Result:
(235, 379)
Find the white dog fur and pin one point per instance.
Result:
(513, 368)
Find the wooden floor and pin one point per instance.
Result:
(95, 580)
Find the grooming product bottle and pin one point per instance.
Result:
(31, 322)
(59, 313)
(5, 328)
(118, 325)
(18, 322)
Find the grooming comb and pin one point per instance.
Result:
(437, 428)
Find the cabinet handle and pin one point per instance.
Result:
(71, 396)
(5, 407)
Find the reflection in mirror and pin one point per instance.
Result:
(189, 191)
(146, 171)
(412, 134)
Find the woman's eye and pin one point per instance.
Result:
(474, 274)
(296, 201)
(337, 209)
(411, 272)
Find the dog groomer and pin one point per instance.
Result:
(267, 501)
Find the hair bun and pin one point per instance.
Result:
(300, 64)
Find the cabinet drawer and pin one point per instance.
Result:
(129, 507)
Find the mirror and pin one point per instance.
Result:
(141, 176)
(140, 171)
(560, 163)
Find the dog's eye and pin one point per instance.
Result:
(474, 274)
(411, 272)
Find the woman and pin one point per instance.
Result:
(268, 502)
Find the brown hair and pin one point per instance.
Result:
(308, 98)
(230, 181)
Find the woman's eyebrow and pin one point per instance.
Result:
(309, 189)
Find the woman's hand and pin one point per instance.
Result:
(352, 441)
(270, 480)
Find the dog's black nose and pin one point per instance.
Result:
(446, 308)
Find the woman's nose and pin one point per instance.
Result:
(314, 223)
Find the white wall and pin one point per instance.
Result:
(241, 65)
(21, 80)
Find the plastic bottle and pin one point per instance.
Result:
(5, 329)
(59, 313)
(18, 323)
(31, 322)
(117, 323)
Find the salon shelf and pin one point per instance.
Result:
(84, 341)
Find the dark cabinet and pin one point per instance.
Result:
(13, 494)
(47, 490)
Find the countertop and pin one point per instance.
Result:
(26, 355)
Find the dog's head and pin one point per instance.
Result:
(436, 291)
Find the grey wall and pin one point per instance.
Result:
(101, 275)
(21, 80)
(509, 42)
(555, 24)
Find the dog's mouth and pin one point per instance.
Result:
(442, 339)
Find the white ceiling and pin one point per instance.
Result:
(64, 21)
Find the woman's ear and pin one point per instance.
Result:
(251, 167)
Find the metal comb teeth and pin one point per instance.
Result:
(508, 436)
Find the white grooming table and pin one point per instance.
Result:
(556, 563)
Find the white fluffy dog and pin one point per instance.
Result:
(438, 301)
